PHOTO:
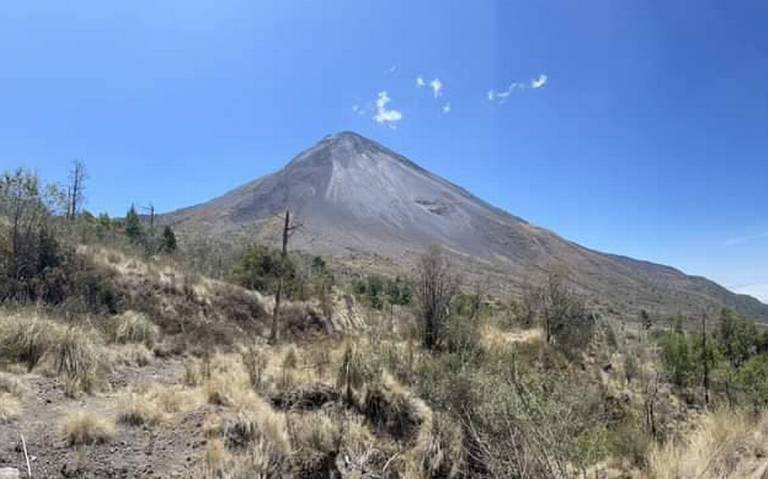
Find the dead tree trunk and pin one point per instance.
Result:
(77, 176)
(705, 358)
(274, 335)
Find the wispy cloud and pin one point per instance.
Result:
(446, 108)
(756, 290)
(437, 87)
(501, 96)
(392, 69)
(420, 82)
(539, 82)
(739, 240)
(383, 115)
(358, 110)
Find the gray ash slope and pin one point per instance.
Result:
(355, 197)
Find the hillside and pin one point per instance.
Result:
(358, 200)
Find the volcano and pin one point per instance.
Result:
(357, 199)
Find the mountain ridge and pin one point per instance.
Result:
(356, 197)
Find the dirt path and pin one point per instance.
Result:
(168, 450)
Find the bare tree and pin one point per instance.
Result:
(288, 229)
(76, 188)
(706, 358)
(436, 286)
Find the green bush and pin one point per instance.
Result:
(752, 379)
(260, 267)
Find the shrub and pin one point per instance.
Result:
(260, 437)
(439, 449)
(354, 372)
(77, 356)
(436, 286)
(138, 410)
(752, 378)
(133, 327)
(85, 427)
(261, 268)
(255, 362)
(677, 357)
(25, 339)
(567, 322)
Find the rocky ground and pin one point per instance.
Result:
(170, 450)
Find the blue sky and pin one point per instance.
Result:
(647, 134)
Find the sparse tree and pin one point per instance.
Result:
(169, 240)
(436, 286)
(76, 188)
(288, 229)
(565, 318)
(133, 228)
(29, 248)
(737, 336)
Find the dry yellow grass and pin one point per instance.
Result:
(153, 404)
(10, 407)
(134, 327)
(86, 427)
(129, 355)
(10, 384)
(721, 444)
(137, 410)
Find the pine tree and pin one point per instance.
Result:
(133, 229)
(169, 240)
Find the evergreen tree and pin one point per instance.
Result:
(133, 229)
(169, 240)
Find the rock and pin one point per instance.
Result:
(9, 473)
(70, 469)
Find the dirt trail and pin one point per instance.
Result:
(168, 450)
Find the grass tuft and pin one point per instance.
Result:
(133, 327)
(84, 427)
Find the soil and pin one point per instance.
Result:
(169, 450)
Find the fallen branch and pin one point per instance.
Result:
(26, 456)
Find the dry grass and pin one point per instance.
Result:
(12, 385)
(439, 449)
(77, 356)
(256, 439)
(85, 427)
(153, 404)
(10, 407)
(133, 327)
(74, 352)
(722, 444)
(138, 410)
(25, 337)
(130, 355)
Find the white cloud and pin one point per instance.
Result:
(437, 87)
(758, 290)
(446, 108)
(539, 82)
(745, 239)
(392, 69)
(501, 96)
(383, 115)
(420, 82)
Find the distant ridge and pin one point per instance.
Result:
(357, 198)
